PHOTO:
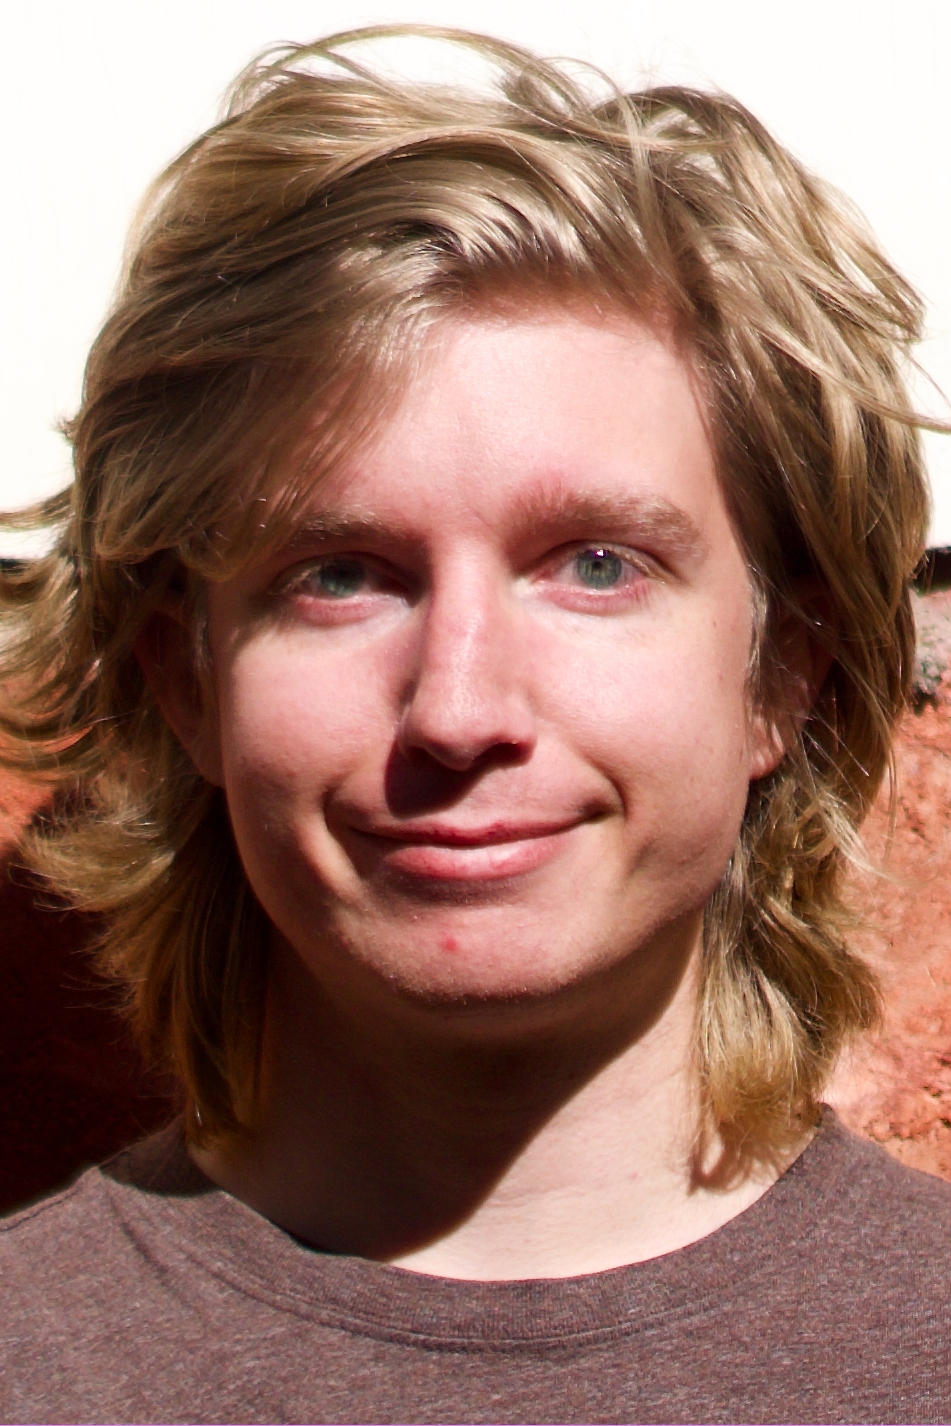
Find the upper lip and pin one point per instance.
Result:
(445, 835)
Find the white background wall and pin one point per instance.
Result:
(97, 95)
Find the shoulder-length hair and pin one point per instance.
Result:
(280, 278)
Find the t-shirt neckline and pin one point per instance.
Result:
(155, 1188)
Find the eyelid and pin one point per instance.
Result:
(637, 559)
(381, 573)
(298, 571)
(382, 577)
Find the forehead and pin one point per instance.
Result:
(531, 426)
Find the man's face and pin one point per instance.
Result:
(483, 724)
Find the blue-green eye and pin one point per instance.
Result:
(599, 568)
(339, 578)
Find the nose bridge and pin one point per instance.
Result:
(464, 624)
(468, 693)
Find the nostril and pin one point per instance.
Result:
(416, 781)
(460, 754)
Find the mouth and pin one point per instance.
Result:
(441, 852)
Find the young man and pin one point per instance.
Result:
(472, 642)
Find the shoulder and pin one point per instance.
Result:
(80, 1270)
(852, 1173)
(52, 1240)
(59, 1255)
(85, 1231)
(73, 1228)
(56, 1259)
(864, 1222)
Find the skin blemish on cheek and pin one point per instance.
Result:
(449, 944)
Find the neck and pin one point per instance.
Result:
(516, 1145)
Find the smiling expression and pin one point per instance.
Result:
(483, 722)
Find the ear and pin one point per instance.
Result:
(165, 650)
(803, 660)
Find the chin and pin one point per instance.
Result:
(458, 964)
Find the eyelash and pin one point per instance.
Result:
(639, 569)
(634, 565)
(294, 582)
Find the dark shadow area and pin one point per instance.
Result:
(934, 572)
(73, 1088)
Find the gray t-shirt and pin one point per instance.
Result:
(144, 1293)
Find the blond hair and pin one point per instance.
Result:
(282, 273)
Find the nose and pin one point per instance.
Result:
(468, 699)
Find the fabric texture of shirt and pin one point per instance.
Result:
(144, 1293)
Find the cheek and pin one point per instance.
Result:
(292, 727)
(666, 719)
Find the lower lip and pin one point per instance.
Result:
(439, 862)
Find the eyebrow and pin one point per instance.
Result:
(556, 510)
(565, 510)
(345, 525)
